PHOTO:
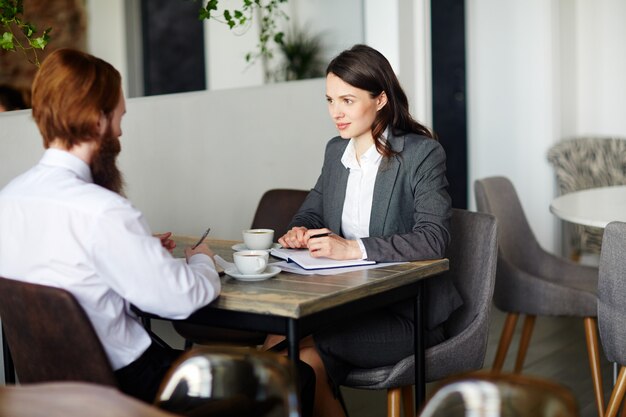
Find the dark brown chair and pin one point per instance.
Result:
(275, 211)
(50, 336)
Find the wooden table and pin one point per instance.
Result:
(296, 305)
(595, 207)
(72, 399)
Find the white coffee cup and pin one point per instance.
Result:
(257, 239)
(250, 262)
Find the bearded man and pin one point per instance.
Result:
(65, 223)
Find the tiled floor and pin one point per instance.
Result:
(557, 352)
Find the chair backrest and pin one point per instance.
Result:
(473, 255)
(276, 209)
(612, 292)
(516, 241)
(588, 162)
(221, 381)
(50, 336)
(500, 395)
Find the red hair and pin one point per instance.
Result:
(71, 91)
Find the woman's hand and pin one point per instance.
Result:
(166, 242)
(331, 246)
(294, 238)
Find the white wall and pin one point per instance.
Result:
(540, 71)
(106, 33)
(339, 24)
(204, 159)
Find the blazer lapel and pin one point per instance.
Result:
(383, 187)
(337, 192)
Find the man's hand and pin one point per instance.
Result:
(201, 248)
(166, 242)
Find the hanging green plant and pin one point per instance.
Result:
(268, 12)
(14, 28)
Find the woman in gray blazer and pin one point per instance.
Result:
(381, 196)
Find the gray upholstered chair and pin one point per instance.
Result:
(612, 306)
(472, 254)
(534, 282)
(582, 163)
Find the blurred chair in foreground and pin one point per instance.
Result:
(472, 254)
(50, 336)
(583, 163)
(222, 382)
(612, 306)
(500, 395)
(534, 282)
(274, 211)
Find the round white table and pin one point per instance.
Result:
(592, 207)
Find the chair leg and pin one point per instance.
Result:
(505, 341)
(617, 395)
(527, 332)
(407, 401)
(593, 350)
(393, 402)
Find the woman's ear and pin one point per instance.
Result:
(381, 101)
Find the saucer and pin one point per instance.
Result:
(242, 246)
(269, 272)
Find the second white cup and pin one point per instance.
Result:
(250, 262)
(258, 238)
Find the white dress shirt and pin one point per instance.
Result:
(57, 228)
(357, 206)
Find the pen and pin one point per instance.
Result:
(321, 235)
(204, 235)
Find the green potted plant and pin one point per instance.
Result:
(13, 28)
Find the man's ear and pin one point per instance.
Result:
(102, 125)
(381, 101)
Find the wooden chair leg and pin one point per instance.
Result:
(505, 341)
(593, 350)
(407, 401)
(527, 332)
(618, 394)
(394, 398)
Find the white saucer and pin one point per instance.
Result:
(242, 246)
(269, 272)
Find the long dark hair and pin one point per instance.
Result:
(364, 67)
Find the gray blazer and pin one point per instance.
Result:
(410, 214)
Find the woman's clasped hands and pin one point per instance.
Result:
(321, 243)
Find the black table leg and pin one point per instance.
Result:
(9, 369)
(293, 338)
(420, 347)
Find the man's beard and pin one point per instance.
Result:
(104, 168)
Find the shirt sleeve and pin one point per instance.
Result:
(136, 266)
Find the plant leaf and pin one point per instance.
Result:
(38, 43)
(6, 41)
